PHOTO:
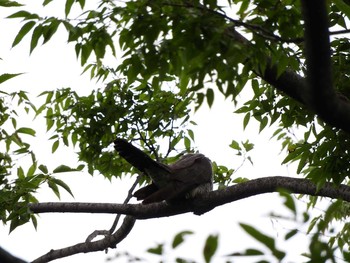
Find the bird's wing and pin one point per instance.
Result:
(169, 192)
(145, 191)
(191, 176)
(192, 169)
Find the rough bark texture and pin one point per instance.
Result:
(100, 245)
(204, 203)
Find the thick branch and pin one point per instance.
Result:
(205, 203)
(322, 97)
(318, 54)
(6, 257)
(288, 82)
(109, 241)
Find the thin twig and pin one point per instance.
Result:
(127, 199)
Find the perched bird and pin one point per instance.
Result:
(190, 176)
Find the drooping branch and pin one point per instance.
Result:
(205, 203)
(100, 245)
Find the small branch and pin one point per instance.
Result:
(206, 203)
(339, 32)
(117, 218)
(108, 241)
(255, 29)
(127, 199)
(149, 146)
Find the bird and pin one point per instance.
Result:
(189, 177)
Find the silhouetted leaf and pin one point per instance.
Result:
(210, 247)
(7, 76)
(180, 237)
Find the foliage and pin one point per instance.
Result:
(176, 55)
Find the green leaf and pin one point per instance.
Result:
(7, 3)
(235, 145)
(256, 234)
(37, 33)
(187, 143)
(14, 224)
(210, 247)
(54, 188)
(43, 168)
(23, 32)
(246, 120)
(248, 252)
(82, 3)
(253, 252)
(179, 238)
(200, 99)
(303, 161)
(256, 88)
(20, 173)
(268, 241)
(50, 30)
(290, 234)
(289, 201)
(263, 123)
(292, 155)
(31, 170)
(55, 146)
(239, 180)
(46, 2)
(14, 123)
(158, 250)
(191, 134)
(282, 65)
(248, 146)
(243, 8)
(184, 80)
(68, 7)
(26, 130)
(7, 76)
(62, 169)
(343, 7)
(210, 97)
(34, 221)
(85, 53)
(63, 185)
(21, 13)
(80, 167)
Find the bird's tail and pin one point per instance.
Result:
(133, 155)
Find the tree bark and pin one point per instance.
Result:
(315, 91)
(206, 202)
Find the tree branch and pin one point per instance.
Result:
(6, 257)
(108, 241)
(321, 96)
(317, 92)
(205, 203)
(288, 82)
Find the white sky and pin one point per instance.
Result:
(53, 66)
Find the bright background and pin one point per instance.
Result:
(53, 66)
